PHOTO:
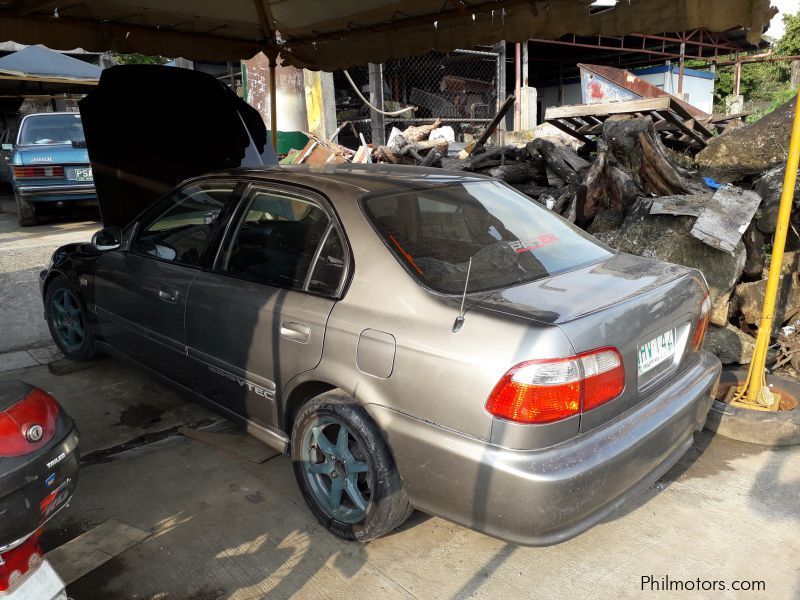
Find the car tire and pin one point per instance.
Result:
(765, 428)
(27, 215)
(371, 499)
(66, 319)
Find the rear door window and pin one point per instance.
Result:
(283, 240)
(507, 238)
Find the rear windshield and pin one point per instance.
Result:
(510, 238)
(51, 129)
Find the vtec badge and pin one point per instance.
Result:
(50, 480)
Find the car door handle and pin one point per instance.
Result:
(168, 295)
(295, 332)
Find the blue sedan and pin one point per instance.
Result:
(48, 163)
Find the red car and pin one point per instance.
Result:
(38, 462)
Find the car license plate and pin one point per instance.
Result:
(80, 174)
(43, 584)
(656, 351)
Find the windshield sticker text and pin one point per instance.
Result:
(525, 245)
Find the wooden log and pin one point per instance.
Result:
(514, 172)
(418, 133)
(607, 187)
(490, 156)
(560, 158)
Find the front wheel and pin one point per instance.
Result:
(345, 470)
(27, 215)
(66, 319)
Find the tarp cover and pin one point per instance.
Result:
(38, 62)
(341, 33)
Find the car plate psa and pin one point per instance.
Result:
(656, 351)
(80, 174)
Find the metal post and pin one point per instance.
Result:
(376, 98)
(501, 90)
(517, 85)
(680, 70)
(273, 99)
(560, 83)
(525, 64)
(737, 75)
(756, 383)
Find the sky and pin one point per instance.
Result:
(784, 6)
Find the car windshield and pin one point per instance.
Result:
(51, 129)
(510, 239)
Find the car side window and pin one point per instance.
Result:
(329, 267)
(179, 227)
(275, 240)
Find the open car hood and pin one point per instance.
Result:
(149, 127)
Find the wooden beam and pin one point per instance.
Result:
(607, 108)
(568, 130)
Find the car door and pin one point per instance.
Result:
(258, 317)
(6, 148)
(141, 291)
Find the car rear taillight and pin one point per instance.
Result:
(29, 424)
(38, 171)
(543, 391)
(702, 324)
(19, 562)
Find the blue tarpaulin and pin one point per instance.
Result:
(40, 63)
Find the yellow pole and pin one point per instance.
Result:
(755, 387)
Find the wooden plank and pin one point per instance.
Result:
(94, 548)
(724, 219)
(608, 108)
(697, 136)
(566, 129)
(684, 115)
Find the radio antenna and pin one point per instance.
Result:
(459, 322)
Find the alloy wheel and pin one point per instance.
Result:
(337, 469)
(67, 318)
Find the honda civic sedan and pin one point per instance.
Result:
(412, 338)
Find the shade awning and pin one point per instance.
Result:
(36, 63)
(332, 35)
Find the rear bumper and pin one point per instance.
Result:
(33, 488)
(54, 193)
(547, 496)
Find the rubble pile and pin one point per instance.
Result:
(715, 212)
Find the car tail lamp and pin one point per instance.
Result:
(19, 562)
(543, 391)
(28, 425)
(38, 171)
(702, 324)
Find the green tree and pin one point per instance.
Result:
(789, 44)
(138, 59)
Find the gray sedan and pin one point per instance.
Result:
(412, 338)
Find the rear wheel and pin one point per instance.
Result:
(26, 212)
(66, 319)
(345, 470)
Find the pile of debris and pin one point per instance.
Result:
(640, 197)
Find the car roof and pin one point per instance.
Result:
(364, 178)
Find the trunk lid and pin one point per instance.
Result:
(55, 154)
(623, 302)
(149, 127)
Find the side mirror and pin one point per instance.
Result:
(8, 147)
(108, 238)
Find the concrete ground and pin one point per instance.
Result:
(224, 527)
